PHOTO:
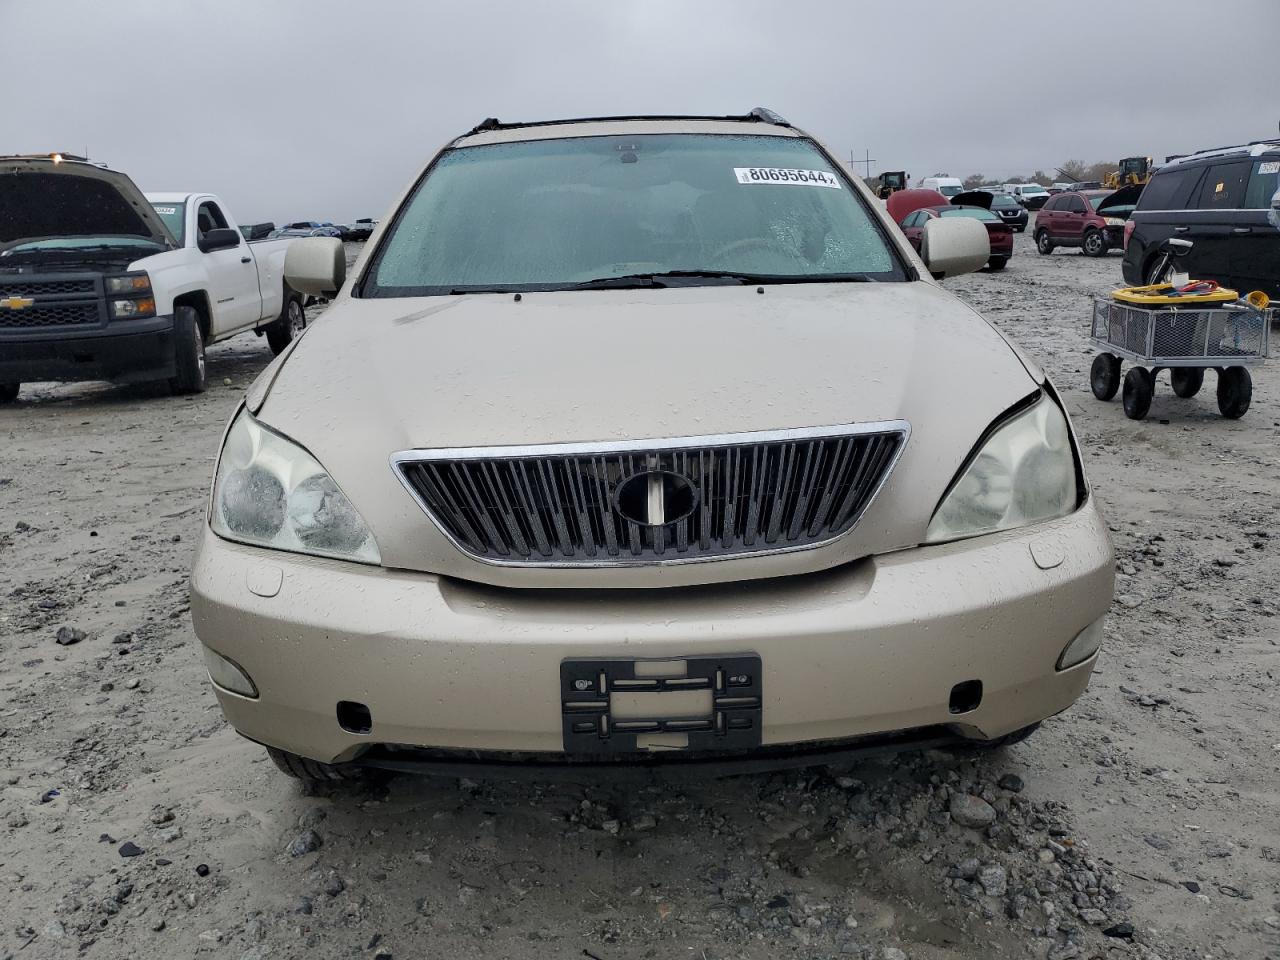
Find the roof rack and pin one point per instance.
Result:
(1220, 151)
(758, 115)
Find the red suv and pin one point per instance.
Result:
(1090, 219)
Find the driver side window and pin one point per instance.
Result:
(209, 217)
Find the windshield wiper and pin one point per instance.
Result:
(662, 279)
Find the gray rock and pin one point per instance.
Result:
(1011, 782)
(55, 930)
(334, 885)
(646, 821)
(1158, 841)
(967, 868)
(892, 953)
(306, 842)
(130, 849)
(994, 879)
(970, 811)
(66, 636)
(1093, 917)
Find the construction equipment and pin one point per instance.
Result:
(1133, 171)
(891, 181)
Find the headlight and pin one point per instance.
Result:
(269, 492)
(1025, 473)
(132, 309)
(129, 283)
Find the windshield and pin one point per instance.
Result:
(1004, 200)
(174, 218)
(973, 213)
(548, 214)
(1034, 188)
(951, 191)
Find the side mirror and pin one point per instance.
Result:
(219, 238)
(951, 246)
(316, 266)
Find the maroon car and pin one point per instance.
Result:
(999, 232)
(1092, 220)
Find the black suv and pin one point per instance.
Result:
(1220, 200)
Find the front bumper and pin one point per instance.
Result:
(869, 649)
(130, 351)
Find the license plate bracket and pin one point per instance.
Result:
(586, 686)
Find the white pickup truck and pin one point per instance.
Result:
(98, 282)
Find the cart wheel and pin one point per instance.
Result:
(1186, 381)
(1139, 387)
(1235, 390)
(1104, 376)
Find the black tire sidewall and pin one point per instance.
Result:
(1043, 244)
(1104, 376)
(9, 392)
(1137, 393)
(1235, 392)
(1186, 381)
(188, 352)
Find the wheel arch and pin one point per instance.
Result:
(198, 300)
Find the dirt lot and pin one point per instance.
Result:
(1150, 811)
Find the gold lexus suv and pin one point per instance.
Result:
(644, 440)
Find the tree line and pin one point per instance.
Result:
(1073, 171)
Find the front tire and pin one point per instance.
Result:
(1104, 376)
(996, 264)
(188, 349)
(313, 771)
(1095, 244)
(1186, 381)
(288, 326)
(9, 392)
(1043, 244)
(1139, 388)
(1235, 392)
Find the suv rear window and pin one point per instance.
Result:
(552, 214)
(1264, 180)
(1223, 186)
(1170, 189)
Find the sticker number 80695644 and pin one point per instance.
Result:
(812, 178)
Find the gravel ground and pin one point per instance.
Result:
(1142, 823)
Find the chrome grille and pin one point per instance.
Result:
(691, 499)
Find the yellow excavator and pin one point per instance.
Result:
(891, 182)
(1133, 171)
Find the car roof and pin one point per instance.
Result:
(1255, 148)
(762, 122)
(167, 197)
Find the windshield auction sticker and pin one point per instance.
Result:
(810, 178)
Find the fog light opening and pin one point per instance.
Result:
(228, 675)
(354, 717)
(1084, 646)
(966, 696)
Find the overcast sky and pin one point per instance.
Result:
(318, 109)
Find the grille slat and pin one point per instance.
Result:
(734, 495)
(80, 313)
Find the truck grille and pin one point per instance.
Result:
(35, 287)
(634, 503)
(52, 315)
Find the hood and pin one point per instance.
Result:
(41, 198)
(974, 198)
(1124, 197)
(906, 202)
(374, 377)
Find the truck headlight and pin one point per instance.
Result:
(269, 492)
(133, 309)
(1024, 473)
(130, 283)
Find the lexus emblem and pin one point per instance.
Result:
(16, 303)
(655, 498)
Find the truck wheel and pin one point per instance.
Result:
(288, 326)
(188, 350)
(9, 392)
(1043, 243)
(997, 263)
(1104, 376)
(1139, 388)
(1186, 381)
(1235, 390)
(1095, 244)
(313, 771)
